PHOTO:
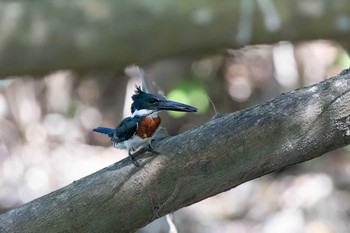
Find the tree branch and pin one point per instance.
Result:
(227, 151)
(37, 37)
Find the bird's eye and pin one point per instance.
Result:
(152, 101)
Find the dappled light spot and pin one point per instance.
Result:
(23, 104)
(9, 165)
(288, 220)
(59, 87)
(318, 227)
(315, 58)
(62, 129)
(286, 70)
(306, 190)
(55, 124)
(239, 86)
(36, 178)
(240, 89)
(3, 107)
(29, 111)
(213, 208)
(90, 117)
(202, 16)
(36, 133)
(88, 92)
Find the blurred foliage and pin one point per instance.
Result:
(342, 59)
(191, 93)
(347, 148)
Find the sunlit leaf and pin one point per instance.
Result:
(342, 59)
(189, 93)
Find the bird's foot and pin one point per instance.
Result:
(133, 160)
(151, 148)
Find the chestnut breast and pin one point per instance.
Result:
(147, 126)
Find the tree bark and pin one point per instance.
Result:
(37, 37)
(217, 156)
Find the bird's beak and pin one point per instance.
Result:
(175, 106)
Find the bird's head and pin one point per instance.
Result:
(156, 103)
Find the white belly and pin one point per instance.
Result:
(133, 143)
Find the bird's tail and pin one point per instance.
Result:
(104, 130)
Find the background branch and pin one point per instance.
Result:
(37, 37)
(214, 157)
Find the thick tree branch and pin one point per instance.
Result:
(219, 155)
(40, 36)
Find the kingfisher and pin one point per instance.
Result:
(136, 131)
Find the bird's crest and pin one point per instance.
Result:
(138, 93)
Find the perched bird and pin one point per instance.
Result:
(137, 130)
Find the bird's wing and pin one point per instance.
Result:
(108, 131)
(126, 129)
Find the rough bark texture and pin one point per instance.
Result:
(37, 37)
(228, 150)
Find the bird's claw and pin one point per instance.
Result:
(151, 148)
(133, 160)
